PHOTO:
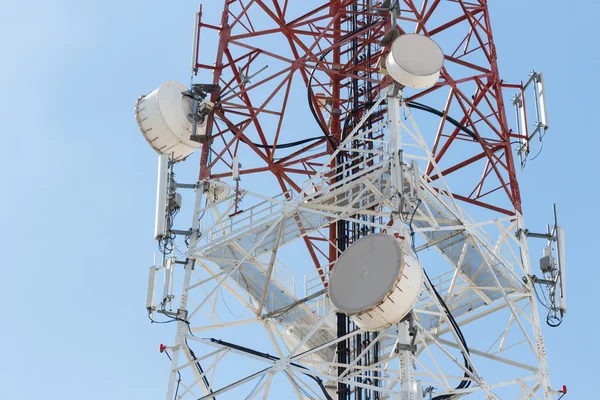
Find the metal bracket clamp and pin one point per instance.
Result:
(200, 107)
(535, 279)
(534, 235)
(187, 185)
(409, 347)
(184, 233)
(182, 315)
(395, 91)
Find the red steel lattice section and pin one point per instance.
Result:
(311, 46)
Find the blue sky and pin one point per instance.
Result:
(79, 184)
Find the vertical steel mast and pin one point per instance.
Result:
(298, 163)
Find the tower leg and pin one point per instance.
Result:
(407, 380)
(535, 317)
(182, 324)
(181, 333)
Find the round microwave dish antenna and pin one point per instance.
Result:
(217, 193)
(415, 61)
(376, 282)
(163, 118)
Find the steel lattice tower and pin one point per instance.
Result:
(296, 166)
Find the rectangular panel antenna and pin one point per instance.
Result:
(235, 173)
(542, 100)
(160, 222)
(151, 284)
(418, 191)
(167, 283)
(560, 246)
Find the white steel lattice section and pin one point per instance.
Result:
(481, 273)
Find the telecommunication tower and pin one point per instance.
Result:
(355, 230)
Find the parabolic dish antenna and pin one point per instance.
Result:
(163, 116)
(376, 281)
(415, 61)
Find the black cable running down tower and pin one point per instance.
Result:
(360, 94)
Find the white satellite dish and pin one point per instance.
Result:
(376, 281)
(415, 61)
(164, 119)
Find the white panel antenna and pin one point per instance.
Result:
(553, 269)
(151, 286)
(195, 42)
(160, 222)
(542, 100)
(235, 173)
(531, 122)
(167, 289)
(524, 129)
(560, 248)
(416, 175)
